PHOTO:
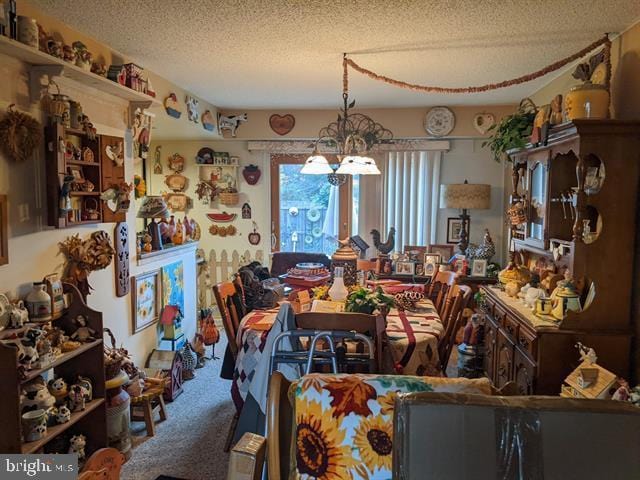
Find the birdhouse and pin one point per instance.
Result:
(359, 245)
(171, 319)
(246, 211)
(589, 380)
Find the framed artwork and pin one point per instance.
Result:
(431, 261)
(479, 268)
(420, 269)
(145, 299)
(445, 252)
(173, 285)
(76, 172)
(414, 251)
(4, 231)
(454, 226)
(460, 266)
(405, 268)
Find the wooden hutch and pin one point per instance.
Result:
(580, 195)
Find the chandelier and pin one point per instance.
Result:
(352, 136)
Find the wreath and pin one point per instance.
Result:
(20, 134)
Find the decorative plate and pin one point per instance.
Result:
(439, 121)
(316, 232)
(313, 214)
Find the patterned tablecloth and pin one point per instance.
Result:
(412, 340)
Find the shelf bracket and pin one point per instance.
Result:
(36, 73)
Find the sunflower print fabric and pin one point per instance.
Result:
(344, 423)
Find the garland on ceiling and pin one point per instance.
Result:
(348, 62)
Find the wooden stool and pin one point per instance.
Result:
(145, 406)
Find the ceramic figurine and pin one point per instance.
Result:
(18, 315)
(28, 343)
(99, 69)
(83, 333)
(39, 399)
(85, 383)
(565, 297)
(208, 121)
(51, 413)
(38, 302)
(84, 58)
(59, 389)
(45, 352)
(251, 174)
(192, 109)
(172, 107)
(5, 312)
(54, 48)
(178, 236)
(65, 195)
(146, 243)
(77, 445)
(68, 54)
(34, 425)
(64, 415)
(76, 398)
(231, 122)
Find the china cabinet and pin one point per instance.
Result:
(579, 193)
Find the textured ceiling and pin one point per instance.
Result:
(287, 53)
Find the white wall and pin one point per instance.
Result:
(467, 160)
(33, 247)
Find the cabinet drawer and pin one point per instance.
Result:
(524, 373)
(499, 313)
(511, 327)
(528, 342)
(490, 339)
(504, 360)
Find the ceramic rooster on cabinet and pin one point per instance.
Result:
(386, 247)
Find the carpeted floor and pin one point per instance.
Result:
(188, 445)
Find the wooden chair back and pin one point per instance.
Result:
(227, 298)
(453, 319)
(438, 289)
(370, 325)
(242, 305)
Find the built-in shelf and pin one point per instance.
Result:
(31, 374)
(52, 432)
(83, 164)
(44, 64)
(168, 251)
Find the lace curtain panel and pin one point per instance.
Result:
(411, 186)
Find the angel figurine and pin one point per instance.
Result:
(84, 333)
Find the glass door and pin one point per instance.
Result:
(308, 214)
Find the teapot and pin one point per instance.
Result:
(565, 299)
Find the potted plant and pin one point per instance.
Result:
(362, 300)
(512, 132)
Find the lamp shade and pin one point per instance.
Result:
(316, 164)
(153, 207)
(358, 165)
(468, 196)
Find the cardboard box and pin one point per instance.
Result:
(246, 461)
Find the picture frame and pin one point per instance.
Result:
(4, 231)
(431, 261)
(454, 227)
(146, 299)
(384, 266)
(405, 268)
(415, 251)
(479, 268)
(445, 251)
(460, 266)
(420, 269)
(76, 172)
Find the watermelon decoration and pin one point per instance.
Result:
(223, 217)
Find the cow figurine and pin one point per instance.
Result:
(192, 109)
(231, 123)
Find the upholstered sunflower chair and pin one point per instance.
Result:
(299, 413)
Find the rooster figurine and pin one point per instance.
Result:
(386, 247)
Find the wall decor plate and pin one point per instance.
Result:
(208, 121)
(223, 217)
(192, 109)
(177, 202)
(251, 174)
(176, 182)
(176, 163)
(316, 232)
(282, 124)
(483, 121)
(171, 106)
(313, 214)
(439, 121)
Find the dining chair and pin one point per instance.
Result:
(370, 325)
(452, 320)
(438, 289)
(242, 304)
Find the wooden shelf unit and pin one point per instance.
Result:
(87, 360)
(43, 64)
(538, 357)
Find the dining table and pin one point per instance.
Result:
(411, 345)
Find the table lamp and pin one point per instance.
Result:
(153, 207)
(465, 196)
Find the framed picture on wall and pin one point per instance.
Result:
(4, 231)
(454, 227)
(445, 251)
(146, 290)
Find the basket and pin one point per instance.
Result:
(229, 199)
(53, 106)
(517, 214)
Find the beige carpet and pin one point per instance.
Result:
(189, 443)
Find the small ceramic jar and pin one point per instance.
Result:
(39, 303)
(75, 115)
(28, 31)
(34, 425)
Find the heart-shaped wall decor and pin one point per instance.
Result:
(282, 124)
(483, 121)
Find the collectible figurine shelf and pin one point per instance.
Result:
(72, 401)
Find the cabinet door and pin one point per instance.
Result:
(504, 360)
(524, 373)
(490, 337)
(538, 188)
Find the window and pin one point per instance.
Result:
(411, 185)
(307, 213)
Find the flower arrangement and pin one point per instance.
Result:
(362, 300)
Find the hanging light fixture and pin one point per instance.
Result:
(351, 136)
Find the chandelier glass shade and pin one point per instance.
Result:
(351, 136)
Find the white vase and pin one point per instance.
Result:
(39, 303)
(338, 292)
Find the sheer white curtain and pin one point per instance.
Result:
(411, 185)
